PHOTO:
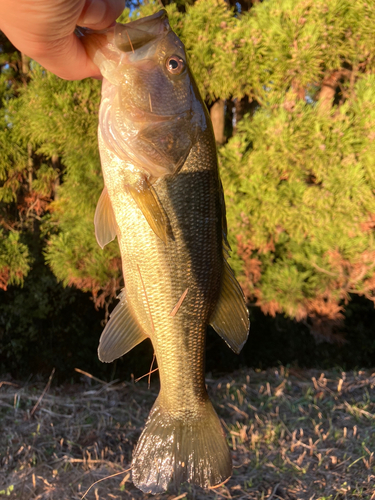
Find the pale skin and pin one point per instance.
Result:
(44, 31)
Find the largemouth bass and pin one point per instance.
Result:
(164, 201)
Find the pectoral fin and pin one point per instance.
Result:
(147, 201)
(104, 220)
(121, 334)
(231, 317)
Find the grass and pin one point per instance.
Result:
(294, 435)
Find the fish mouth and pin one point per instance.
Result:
(134, 35)
(131, 39)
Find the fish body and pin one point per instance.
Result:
(163, 200)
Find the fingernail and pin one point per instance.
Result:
(94, 14)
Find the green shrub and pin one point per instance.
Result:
(299, 171)
(300, 198)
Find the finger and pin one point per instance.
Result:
(99, 14)
(66, 58)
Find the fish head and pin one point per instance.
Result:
(151, 110)
(156, 79)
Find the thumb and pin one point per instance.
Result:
(100, 14)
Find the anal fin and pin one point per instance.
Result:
(121, 333)
(104, 220)
(147, 201)
(231, 317)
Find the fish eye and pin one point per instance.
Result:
(175, 65)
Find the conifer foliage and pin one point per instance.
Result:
(298, 171)
(14, 167)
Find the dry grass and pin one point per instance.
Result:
(294, 435)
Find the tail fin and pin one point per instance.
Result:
(181, 449)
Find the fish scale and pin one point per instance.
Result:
(163, 200)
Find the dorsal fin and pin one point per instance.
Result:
(121, 333)
(104, 220)
(231, 317)
(224, 224)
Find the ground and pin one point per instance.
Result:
(294, 434)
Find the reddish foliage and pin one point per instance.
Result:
(272, 307)
(115, 264)
(324, 306)
(252, 269)
(369, 225)
(326, 318)
(325, 311)
(85, 284)
(102, 296)
(33, 202)
(4, 277)
(252, 272)
(107, 293)
(351, 274)
(8, 224)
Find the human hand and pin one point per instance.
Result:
(44, 30)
